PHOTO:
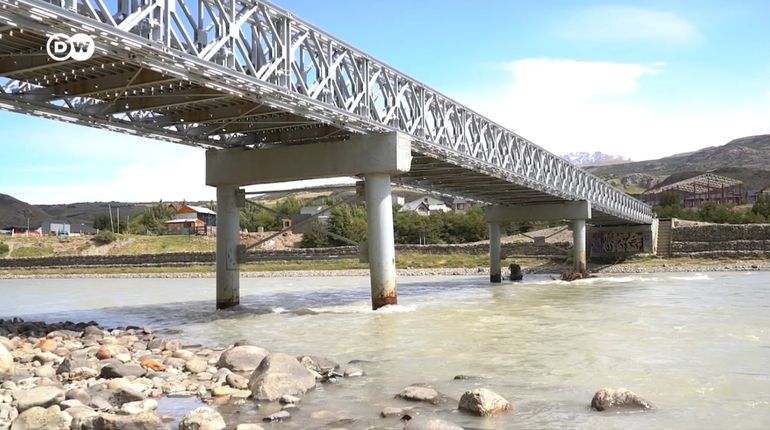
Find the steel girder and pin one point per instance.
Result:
(230, 51)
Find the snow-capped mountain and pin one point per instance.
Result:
(597, 158)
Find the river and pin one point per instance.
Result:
(696, 345)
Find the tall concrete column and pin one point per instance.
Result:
(494, 253)
(382, 252)
(579, 244)
(228, 239)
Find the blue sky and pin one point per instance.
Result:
(640, 79)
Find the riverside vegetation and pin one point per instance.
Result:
(65, 376)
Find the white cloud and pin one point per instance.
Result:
(567, 105)
(628, 23)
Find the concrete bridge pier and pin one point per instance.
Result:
(382, 250)
(577, 212)
(495, 275)
(228, 242)
(375, 157)
(579, 245)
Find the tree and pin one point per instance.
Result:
(762, 206)
(102, 222)
(348, 221)
(153, 219)
(315, 237)
(289, 206)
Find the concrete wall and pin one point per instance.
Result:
(721, 240)
(184, 258)
(617, 242)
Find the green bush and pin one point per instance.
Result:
(762, 206)
(104, 237)
(3, 249)
(315, 237)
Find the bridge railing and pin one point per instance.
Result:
(290, 63)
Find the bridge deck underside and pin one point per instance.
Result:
(114, 93)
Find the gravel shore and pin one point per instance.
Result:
(664, 265)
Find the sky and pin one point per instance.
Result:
(642, 79)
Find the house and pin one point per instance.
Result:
(56, 228)
(458, 204)
(425, 206)
(192, 220)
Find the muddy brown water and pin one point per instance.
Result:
(696, 345)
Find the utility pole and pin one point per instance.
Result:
(118, 209)
(112, 226)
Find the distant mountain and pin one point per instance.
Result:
(14, 213)
(746, 159)
(748, 152)
(593, 159)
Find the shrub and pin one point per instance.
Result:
(104, 237)
(3, 249)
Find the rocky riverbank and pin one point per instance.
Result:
(79, 376)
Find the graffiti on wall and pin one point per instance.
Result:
(622, 242)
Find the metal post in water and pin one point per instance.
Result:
(494, 253)
(579, 245)
(382, 252)
(228, 239)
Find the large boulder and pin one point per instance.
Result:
(416, 393)
(203, 418)
(421, 422)
(279, 375)
(619, 399)
(43, 396)
(243, 358)
(143, 421)
(38, 418)
(484, 402)
(7, 367)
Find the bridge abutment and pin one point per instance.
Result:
(375, 157)
(577, 212)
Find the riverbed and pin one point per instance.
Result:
(695, 344)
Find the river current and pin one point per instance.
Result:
(696, 345)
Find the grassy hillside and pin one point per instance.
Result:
(745, 159)
(14, 212)
(751, 152)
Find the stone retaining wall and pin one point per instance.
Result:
(187, 258)
(721, 240)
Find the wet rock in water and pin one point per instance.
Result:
(249, 427)
(353, 372)
(278, 375)
(242, 358)
(420, 394)
(619, 399)
(515, 272)
(43, 396)
(466, 378)
(138, 407)
(143, 421)
(570, 275)
(121, 371)
(421, 422)
(277, 417)
(391, 412)
(237, 381)
(38, 418)
(203, 418)
(321, 365)
(289, 400)
(484, 402)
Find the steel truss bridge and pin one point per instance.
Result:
(235, 73)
